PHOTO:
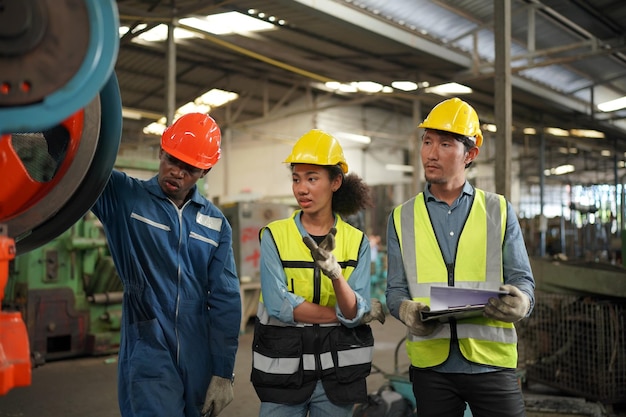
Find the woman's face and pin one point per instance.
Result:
(313, 188)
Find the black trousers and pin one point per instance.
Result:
(491, 394)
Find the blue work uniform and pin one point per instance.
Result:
(181, 307)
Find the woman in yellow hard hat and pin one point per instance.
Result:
(312, 346)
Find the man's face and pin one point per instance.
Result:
(444, 158)
(176, 177)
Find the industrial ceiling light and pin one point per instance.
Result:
(227, 23)
(368, 86)
(587, 133)
(202, 104)
(613, 105)
(560, 170)
(398, 167)
(217, 24)
(159, 34)
(555, 131)
(449, 89)
(404, 85)
(354, 137)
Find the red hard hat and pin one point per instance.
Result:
(193, 138)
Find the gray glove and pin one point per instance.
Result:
(218, 396)
(323, 256)
(376, 312)
(510, 308)
(410, 315)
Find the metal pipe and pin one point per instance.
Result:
(106, 298)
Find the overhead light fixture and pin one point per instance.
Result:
(354, 137)
(159, 34)
(155, 128)
(404, 85)
(449, 89)
(201, 104)
(227, 23)
(368, 86)
(530, 131)
(613, 105)
(398, 167)
(555, 131)
(217, 24)
(488, 127)
(560, 170)
(605, 152)
(587, 133)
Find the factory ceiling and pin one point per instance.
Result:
(566, 56)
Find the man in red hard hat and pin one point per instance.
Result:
(173, 251)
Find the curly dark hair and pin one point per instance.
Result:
(353, 195)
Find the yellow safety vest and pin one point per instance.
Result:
(478, 264)
(298, 262)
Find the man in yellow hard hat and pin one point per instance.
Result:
(455, 235)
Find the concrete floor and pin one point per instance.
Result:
(86, 387)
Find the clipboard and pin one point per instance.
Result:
(460, 303)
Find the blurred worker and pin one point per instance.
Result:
(453, 234)
(173, 250)
(312, 348)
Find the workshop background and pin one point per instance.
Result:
(547, 78)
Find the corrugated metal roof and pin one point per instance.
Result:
(577, 58)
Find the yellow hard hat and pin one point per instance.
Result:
(456, 116)
(317, 147)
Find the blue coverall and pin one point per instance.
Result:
(181, 307)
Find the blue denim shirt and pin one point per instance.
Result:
(447, 221)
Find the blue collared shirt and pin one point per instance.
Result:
(447, 221)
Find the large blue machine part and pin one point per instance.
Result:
(55, 58)
(69, 294)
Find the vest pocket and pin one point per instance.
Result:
(352, 352)
(277, 357)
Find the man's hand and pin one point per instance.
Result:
(510, 308)
(376, 312)
(323, 256)
(410, 315)
(218, 396)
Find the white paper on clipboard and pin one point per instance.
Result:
(446, 302)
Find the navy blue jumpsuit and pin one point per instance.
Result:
(181, 308)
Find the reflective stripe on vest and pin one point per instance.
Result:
(478, 264)
(287, 366)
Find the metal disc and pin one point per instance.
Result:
(68, 202)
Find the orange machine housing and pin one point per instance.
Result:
(15, 365)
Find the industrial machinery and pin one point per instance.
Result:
(69, 294)
(60, 129)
